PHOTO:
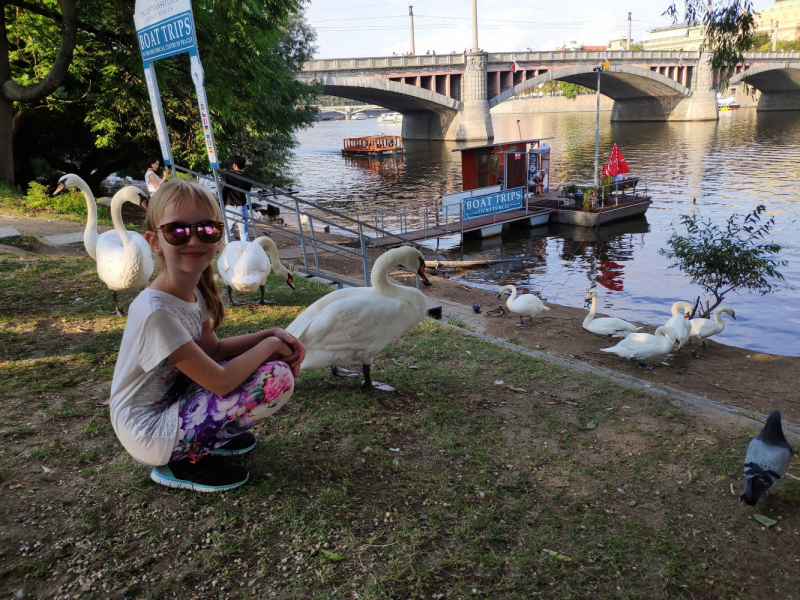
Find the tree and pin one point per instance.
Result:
(99, 120)
(567, 89)
(730, 29)
(726, 259)
(36, 86)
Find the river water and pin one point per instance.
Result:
(729, 167)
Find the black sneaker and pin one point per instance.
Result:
(241, 444)
(209, 474)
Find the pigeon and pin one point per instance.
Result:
(767, 460)
(477, 308)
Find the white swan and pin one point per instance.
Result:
(90, 236)
(526, 305)
(612, 326)
(355, 324)
(644, 347)
(124, 261)
(245, 266)
(680, 322)
(702, 329)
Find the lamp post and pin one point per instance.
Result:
(599, 70)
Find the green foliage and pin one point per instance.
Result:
(69, 202)
(723, 259)
(637, 47)
(729, 28)
(568, 90)
(99, 121)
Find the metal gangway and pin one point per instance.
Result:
(310, 217)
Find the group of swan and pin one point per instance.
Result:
(245, 266)
(679, 330)
(124, 261)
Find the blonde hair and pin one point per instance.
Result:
(175, 192)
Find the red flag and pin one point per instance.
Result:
(616, 164)
(514, 66)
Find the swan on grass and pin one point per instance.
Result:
(702, 329)
(643, 346)
(354, 324)
(679, 323)
(124, 261)
(611, 326)
(526, 305)
(245, 266)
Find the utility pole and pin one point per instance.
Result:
(411, 20)
(629, 32)
(474, 25)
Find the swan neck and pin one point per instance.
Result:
(90, 232)
(116, 217)
(381, 284)
(513, 296)
(274, 257)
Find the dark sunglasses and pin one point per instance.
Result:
(178, 234)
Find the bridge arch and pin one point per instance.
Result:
(619, 82)
(396, 96)
(771, 77)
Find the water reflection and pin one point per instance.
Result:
(728, 166)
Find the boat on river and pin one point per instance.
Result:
(392, 118)
(727, 103)
(373, 145)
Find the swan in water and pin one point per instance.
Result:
(245, 266)
(606, 325)
(680, 322)
(355, 324)
(124, 260)
(644, 347)
(526, 305)
(702, 329)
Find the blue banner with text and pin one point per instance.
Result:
(170, 36)
(489, 204)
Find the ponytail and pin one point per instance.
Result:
(208, 289)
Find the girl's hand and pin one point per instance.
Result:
(287, 354)
(299, 351)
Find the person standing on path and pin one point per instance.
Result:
(151, 178)
(236, 199)
(181, 398)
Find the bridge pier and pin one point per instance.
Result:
(778, 101)
(475, 122)
(700, 106)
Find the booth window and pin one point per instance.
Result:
(482, 167)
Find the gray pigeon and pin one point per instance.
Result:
(767, 460)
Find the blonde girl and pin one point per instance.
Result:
(182, 398)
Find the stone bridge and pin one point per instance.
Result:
(449, 96)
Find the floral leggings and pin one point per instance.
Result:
(207, 421)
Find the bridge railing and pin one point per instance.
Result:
(310, 219)
(457, 60)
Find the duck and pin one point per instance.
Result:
(527, 305)
(702, 329)
(680, 322)
(610, 326)
(124, 259)
(245, 266)
(643, 346)
(355, 324)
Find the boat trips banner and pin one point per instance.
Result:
(489, 204)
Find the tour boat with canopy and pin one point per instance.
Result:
(373, 145)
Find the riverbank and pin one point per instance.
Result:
(553, 104)
(488, 473)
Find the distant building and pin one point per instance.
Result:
(620, 44)
(675, 37)
(786, 13)
(576, 47)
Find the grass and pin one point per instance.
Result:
(70, 205)
(498, 486)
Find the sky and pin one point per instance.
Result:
(357, 28)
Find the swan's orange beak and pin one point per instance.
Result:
(421, 273)
(61, 187)
(290, 281)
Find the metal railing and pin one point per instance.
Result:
(307, 215)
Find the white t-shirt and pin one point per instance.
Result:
(152, 180)
(146, 386)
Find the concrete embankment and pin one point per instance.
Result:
(553, 104)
